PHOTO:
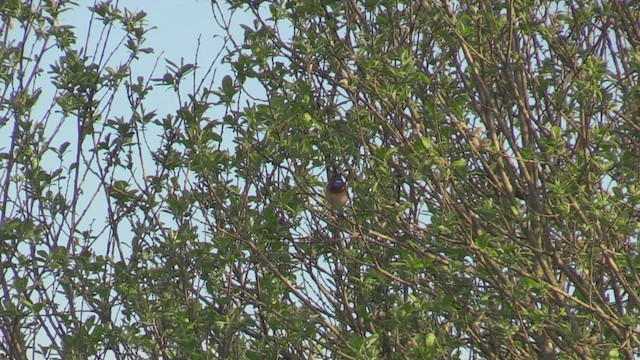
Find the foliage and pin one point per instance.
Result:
(490, 147)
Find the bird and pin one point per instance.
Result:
(336, 191)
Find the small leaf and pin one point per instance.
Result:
(227, 86)
(426, 143)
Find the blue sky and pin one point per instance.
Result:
(179, 25)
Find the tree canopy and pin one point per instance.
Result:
(491, 151)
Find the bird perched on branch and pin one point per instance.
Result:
(336, 191)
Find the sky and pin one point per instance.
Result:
(179, 26)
